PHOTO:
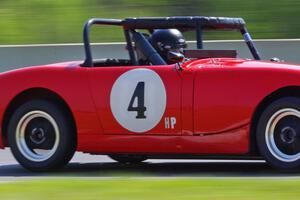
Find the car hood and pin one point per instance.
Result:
(239, 63)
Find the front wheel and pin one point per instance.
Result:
(278, 133)
(41, 136)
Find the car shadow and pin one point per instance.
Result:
(148, 169)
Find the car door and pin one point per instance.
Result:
(137, 100)
(220, 105)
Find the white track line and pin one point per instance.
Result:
(118, 43)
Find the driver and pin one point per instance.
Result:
(168, 40)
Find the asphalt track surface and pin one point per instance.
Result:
(93, 166)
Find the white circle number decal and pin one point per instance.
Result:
(138, 100)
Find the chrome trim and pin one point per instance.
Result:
(21, 141)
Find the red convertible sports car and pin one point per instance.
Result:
(164, 101)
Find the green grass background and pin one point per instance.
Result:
(61, 21)
(154, 189)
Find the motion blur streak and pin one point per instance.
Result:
(55, 21)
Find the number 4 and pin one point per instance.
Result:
(138, 93)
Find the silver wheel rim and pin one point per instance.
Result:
(21, 138)
(269, 134)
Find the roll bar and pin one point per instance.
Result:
(199, 23)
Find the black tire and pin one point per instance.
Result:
(278, 133)
(128, 159)
(40, 125)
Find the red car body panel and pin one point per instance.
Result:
(212, 100)
(104, 77)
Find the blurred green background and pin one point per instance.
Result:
(61, 21)
(152, 189)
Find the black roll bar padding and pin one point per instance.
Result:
(183, 22)
(86, 31)
(146, 49)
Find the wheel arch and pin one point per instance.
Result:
(31, 94)
(289, 91)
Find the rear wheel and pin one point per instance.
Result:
(124, 158)
(278, 133)
(41, 136)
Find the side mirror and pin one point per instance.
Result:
(175, 57)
